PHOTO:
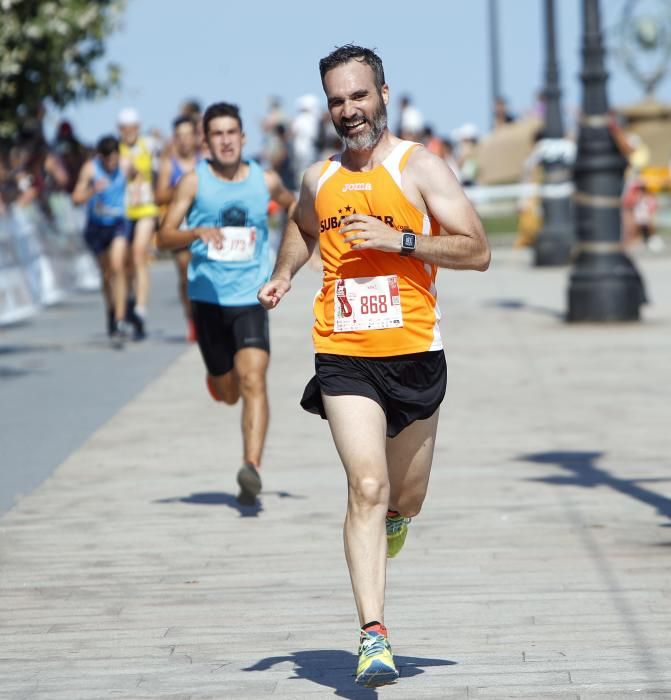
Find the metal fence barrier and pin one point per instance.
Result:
(43, 258)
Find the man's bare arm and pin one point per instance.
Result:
(83, 190)
(170, 236)
(163, 192)
(462, 244)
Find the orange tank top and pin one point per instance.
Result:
(373, 303)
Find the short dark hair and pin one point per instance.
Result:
(190, 107)
(221, 109)
(183, 119)
(351, 52)
(107, 145)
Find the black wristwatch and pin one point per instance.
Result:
(408, 243)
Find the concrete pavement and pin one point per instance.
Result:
(539, 567)
(59, 380)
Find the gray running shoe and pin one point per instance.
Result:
(249, 481)
(119, 335)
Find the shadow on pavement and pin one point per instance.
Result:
(521, 305)
(584, 472)
(27, 348)
(335, 669)
(217, 498)
(11, 373)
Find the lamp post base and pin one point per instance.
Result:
(605, 288)
(552, 250)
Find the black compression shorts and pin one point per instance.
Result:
(224, 330)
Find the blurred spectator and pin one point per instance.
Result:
(501, 113)
(71, 153)
(36, 170)
(637, 154)
(529, 208)
(643, 207)
(450, 159)
(192, 108)
(411, 121)
(538, 108)
(328, 142)
(7, 183)
(433, 143)
(467, 137)
(274, 117)
(278, 153)
(305, 132)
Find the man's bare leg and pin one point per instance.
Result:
(226, 387)
(409, 458)
(103, 262)
(118, 254)
(144, 230)
(251, 367)
(358, 426)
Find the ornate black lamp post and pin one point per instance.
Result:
(555, 240)
(494, 59)
(604, 284)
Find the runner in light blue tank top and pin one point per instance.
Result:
(225, 201)
(240, 208)
(106, 207)
(101, 186)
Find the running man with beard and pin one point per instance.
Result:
(225, 202)
(387, 213)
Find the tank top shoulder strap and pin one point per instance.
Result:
(396, 161)
(329, 168)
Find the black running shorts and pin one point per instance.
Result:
(224, 330)
(99, 237)
(407, 387)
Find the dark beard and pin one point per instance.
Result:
(368, 139)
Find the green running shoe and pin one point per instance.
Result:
(376, 663)
(397, 530)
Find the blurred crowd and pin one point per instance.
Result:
(32, 168)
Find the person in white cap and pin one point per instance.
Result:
(141, 210)
(305, 131)
(467, 137)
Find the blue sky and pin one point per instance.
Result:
(243, 52)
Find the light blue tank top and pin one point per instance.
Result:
(241, 208)
(106, 208)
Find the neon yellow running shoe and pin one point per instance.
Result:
(376, 663)
(397, 529)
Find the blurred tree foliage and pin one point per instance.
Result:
(48, 51)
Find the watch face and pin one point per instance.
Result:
(408, 240)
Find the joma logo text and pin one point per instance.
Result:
(357, 186)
